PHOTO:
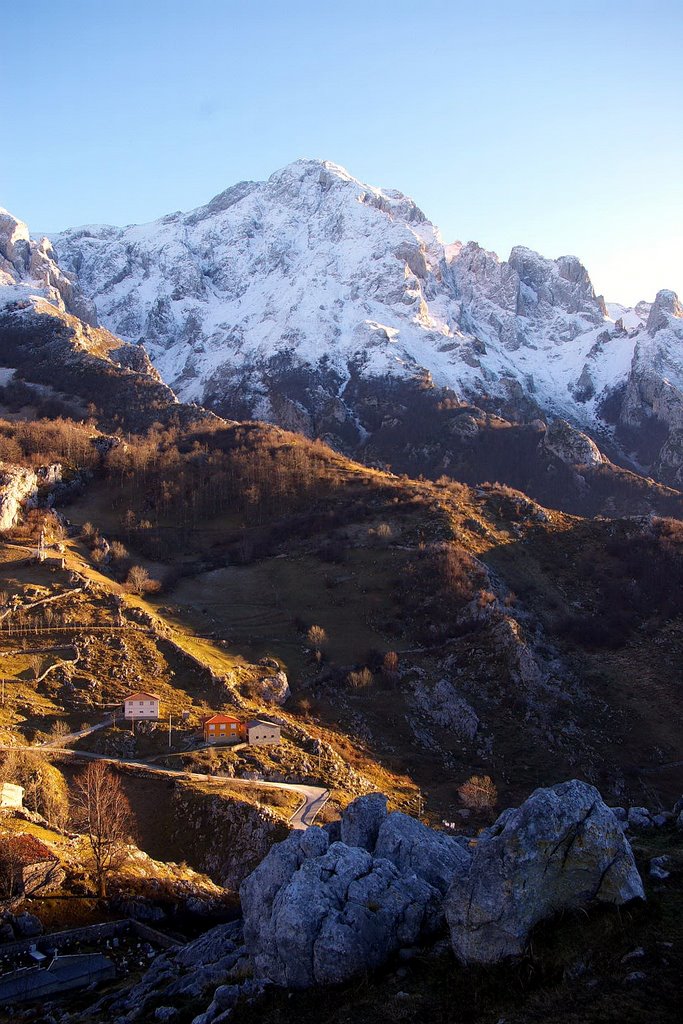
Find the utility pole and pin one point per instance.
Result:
(169, 732)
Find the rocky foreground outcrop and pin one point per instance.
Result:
(318, 911)
(331, 903)
(561, 849)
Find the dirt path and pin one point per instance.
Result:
(314, 798)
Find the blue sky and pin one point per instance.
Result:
(548, 124)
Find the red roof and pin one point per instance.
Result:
(222, 720)
(142, 693)
(26, 849)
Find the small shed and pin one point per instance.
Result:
(27, 864)
(11, 795)
(224, 729)
(260, 733)
(141, 705)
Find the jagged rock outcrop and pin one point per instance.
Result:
(651, 411)
(185, 974)
(413, 847)
(362, 820)
(570, 445)
(87, 365)
(29, 267)
(275, 689)
(18, 485)
(240, 837)
(562, 849)
(339, 911)
(447, 708)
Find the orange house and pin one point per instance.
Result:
(224, 729)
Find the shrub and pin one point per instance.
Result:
(478, 793)
(88, 532)
(390, 666)
(317, 637)
(118, 551)
(382, 534)
(360, 679)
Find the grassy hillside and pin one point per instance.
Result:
(548, 626)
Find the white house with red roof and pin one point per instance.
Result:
(141, 706)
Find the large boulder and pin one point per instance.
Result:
(563, 848)
(317, 912)
(259, 890)
(570, 445)
(339, 914)
(414, 848)
(361, 821)
(275, 689)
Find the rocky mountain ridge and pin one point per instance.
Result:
(287, 300)
(28, 268)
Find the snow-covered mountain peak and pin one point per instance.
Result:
(28, 271)
(12, 231)
(318, 270)
(665, 308)
(283, 299)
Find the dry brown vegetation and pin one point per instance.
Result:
(259, 536)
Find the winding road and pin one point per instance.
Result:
(313, 798)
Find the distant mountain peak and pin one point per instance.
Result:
(283, 299)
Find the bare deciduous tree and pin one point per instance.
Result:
(104, 813)
(140, 582)
(479, 792)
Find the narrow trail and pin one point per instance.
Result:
(314, 798)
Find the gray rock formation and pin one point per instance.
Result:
(362, 819)
(182, 975)
(653, 399)
(337, 915)
(241, 836)
(18, 486)
(570, 445)
(412, 847)
(562, 849)
(29, 267)
(639, 817)
(447, 708)
(275, 688)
